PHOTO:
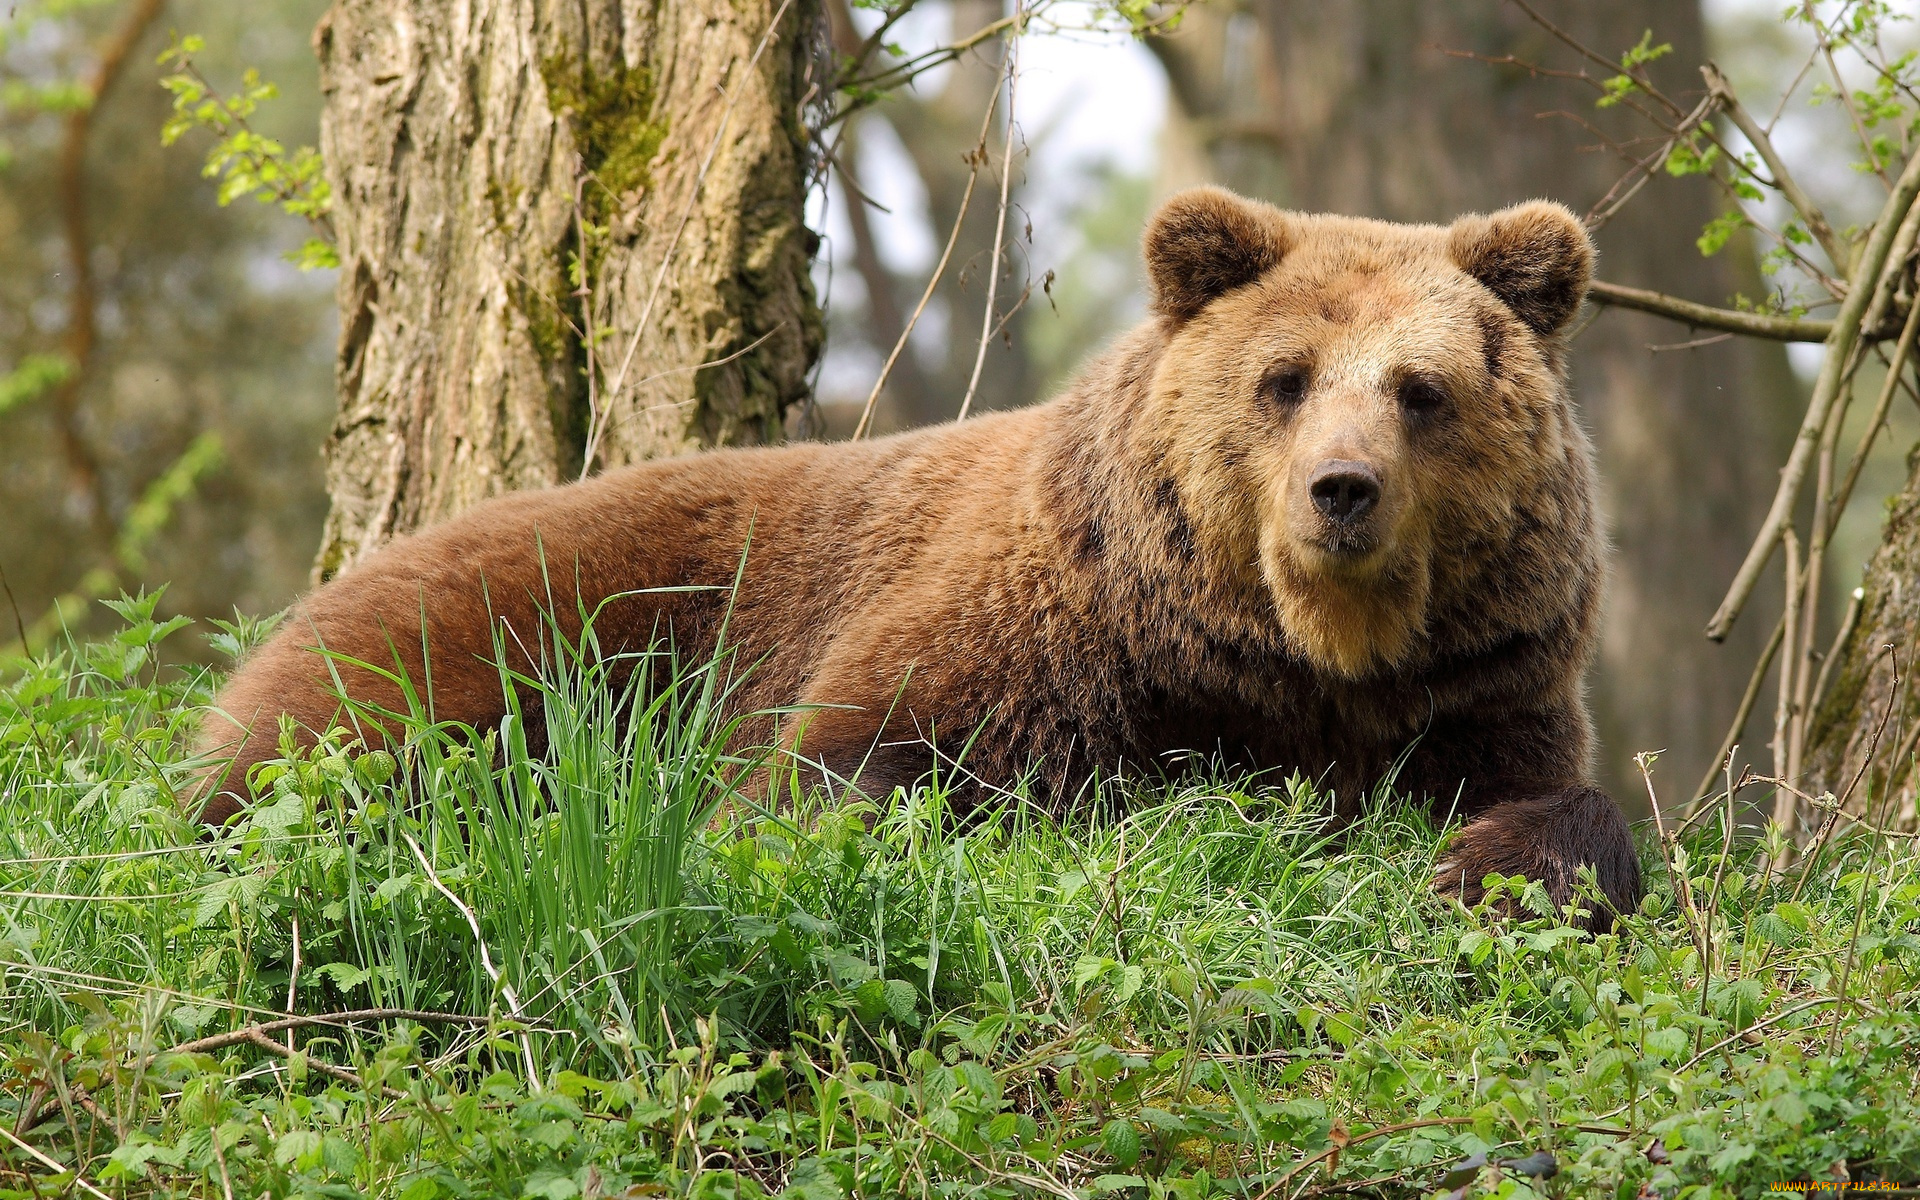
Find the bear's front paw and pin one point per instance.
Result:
(1548, 840)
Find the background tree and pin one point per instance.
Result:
(570, 238)
(163, 370)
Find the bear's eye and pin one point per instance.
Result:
(1421, 397)
(1286, 387)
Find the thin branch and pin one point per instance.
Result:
(220, 1041)
(857, 56)
(1793, 86)
(1705, 316)
(1578, 47)
(1747, 700)
(974, 158)
(325, 1068)
(59, 1168)
(1834, 374)
(883, 307)
(1273, 1189)
(486, 959)
(1683, 888)
(1000, 221)
(1816, 220)
(1873, 747)
(1693, 344)
(903, 73)
(1841, 633)
(1647, 168)
(1783, 706)
(1845, 93)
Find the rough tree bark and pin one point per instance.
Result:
(1359, 108)
(1863, 733)
(474, 149)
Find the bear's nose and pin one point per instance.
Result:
(1344, 490)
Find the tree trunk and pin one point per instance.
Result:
(1370, 114)
(478, 152)
(1861, 723)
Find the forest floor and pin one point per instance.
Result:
(603, 973)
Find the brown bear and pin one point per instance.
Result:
(1329, 509)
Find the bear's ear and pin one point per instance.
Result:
(1204, 243)
(1536, 257)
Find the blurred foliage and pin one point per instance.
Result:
(205, 398)
(245, 162)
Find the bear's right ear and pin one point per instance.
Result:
(1536, 257)
(1204, 243)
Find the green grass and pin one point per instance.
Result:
(626, 977)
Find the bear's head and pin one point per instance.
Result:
(1356, 412)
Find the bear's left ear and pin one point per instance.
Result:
(1536, 257)
(1204, 243)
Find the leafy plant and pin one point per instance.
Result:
(616, 966)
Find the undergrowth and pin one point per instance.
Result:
(610, 971)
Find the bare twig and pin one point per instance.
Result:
(314, 1064)
(1826, 827)
(486, 958)
(1816, 220)
(1783, 707)
(589, 336)
(1691, 344)
(220, 1160)
(1840, 636)
(234, 1037)
(1683, 888)
(1273, 1189)
(1902, 353)
(1747, 700)
(1800, 654)
(59, 1168)
(1638, 75)
(293, 978)
(974, 158)
(1000, 222)
(1647, 168)
(1834, 373)
(19, 622)
(1842, 90)
(882, 308)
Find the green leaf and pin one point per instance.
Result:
(1121, 1141)
(1789, 1109)
(902, 1001)
(1475, 946)
(345, 976)
(1715, 235)
(298, 1148)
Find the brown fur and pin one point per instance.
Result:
(1133, 570)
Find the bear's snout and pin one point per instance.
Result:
(1345, 491)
